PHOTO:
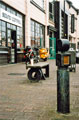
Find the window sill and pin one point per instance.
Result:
(36, 5)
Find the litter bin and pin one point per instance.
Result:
(72, 66)
(77, 56)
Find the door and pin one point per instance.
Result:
(52, 45)
(11, 39)
(52, 49)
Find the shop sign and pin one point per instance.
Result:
(10, 18)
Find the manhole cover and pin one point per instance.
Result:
(16, 74)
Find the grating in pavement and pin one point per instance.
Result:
(16, 74)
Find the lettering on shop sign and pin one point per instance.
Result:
(8, 17)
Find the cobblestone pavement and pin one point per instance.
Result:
(22, 100)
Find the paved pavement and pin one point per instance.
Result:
(22, 100)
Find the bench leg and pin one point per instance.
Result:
(47, 71)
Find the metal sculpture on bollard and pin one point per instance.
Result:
(63, 61)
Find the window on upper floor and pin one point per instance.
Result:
(73, 23)
(39, 2)
(51, 10)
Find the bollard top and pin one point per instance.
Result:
(63, 45)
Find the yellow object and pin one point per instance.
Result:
(66, 60)
(43, 53)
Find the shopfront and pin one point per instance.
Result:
(11, 34)
(52, 42)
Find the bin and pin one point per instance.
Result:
(72, 60)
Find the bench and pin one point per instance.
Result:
(35, 73)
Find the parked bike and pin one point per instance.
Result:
(31, 53)
(28, 54)
(35, 53)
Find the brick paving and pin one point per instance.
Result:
(22, 100)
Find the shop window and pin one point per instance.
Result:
(0, 28)
(8, 25)
(3, 28)
(2, 33)
(6, 28)
(19, 37)
(37, 34)
(0, 23)
(13, 27)
(3, 24)
(0, 5)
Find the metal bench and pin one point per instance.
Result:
(35, 73)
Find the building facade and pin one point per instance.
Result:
(67, 21)
(40, 24)
(35, 23)
(73, 26)
(12, 27)
(22, 23)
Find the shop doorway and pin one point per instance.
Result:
(52, 46)
(11, 39)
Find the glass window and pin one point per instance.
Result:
(51, 10)
(0, 22)
(2, 33)
(3, 24)
(37, 34)
(3, 28)
(14, 27)
(0, 25)
(19, 15)
(40, 3)
(8, 25)
(2, 6)
(0, 28)
(13, 12)
(19, 37)
(0, 39)
(8, 9)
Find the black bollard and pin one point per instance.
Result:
(63, 102)
(63, 61)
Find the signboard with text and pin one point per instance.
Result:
(10, 18)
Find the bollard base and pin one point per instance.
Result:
(63, 102)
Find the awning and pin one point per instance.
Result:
(52, 28)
